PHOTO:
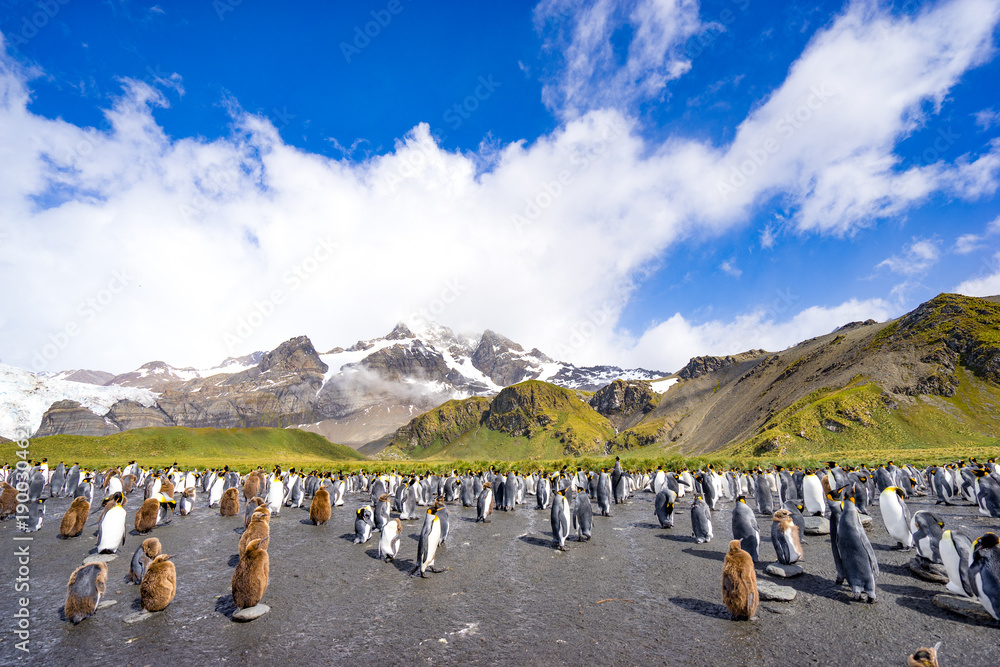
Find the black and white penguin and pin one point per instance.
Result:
(430, 537)
(896, 516)
(583, 516)
(956, 556)
(764, 495)
(985, 572)
(663, 506)
(604, 493)
(617, 488)
(745, 528)
(560, 518)
(444, 518)
(388, 543)
(856, 554)
(58, 481)
(926, 528)
(944, 485)
(381, 511)
(812, 494)
(701, 520)
(408, 505)
(484, 504)
(836, 509)
(36, 514)
(111, 530)
(543, 493)
(363, 524)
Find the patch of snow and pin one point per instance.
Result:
(25, 396)
(661, 386)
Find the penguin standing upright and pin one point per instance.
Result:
(896, 516)
(259, 528)
(745, 528)
(57, 481)
(785, 537)
(927, 528)
(604, 493)
(72, 480)
(812, 494)
(251, 576)
(701, 520)
(856, 553)
(543, 493)
(430, 536)
(230, 503)
(111, 530)
(956, 555)
(187, 501)
(985, 572)
(409, 504)
(739, 582)
(763, 495)
(381, 511)
(583, 516)
(444, 518)
(664, 507)
(159, 584)
(560, 519)
(84, 591)
(215, 491)
(484, 505)
(617, 488)
(388, 543)
(835, 512)
(275, 495)
(363, 524)
(143, 556)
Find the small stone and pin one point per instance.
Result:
(104, 604)
(137, 616)
(442, 641)
(99, 558)
(817, 525)
(928, 571)
(251, 613)
(784, 571)
(963, 606)
(866, 521)
(769, 590)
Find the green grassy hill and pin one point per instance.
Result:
(528, 421)
(201, 447)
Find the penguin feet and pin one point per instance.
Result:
(439, 570)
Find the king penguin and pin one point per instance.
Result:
(745, 528)
(701, 520)
(111, 530)
(583, 516)
(739, 583)
(484, 505)
(956, 555)
(664, 507)
(785, 537)
(812, 494)
(927, 528)
(985, 572)
(430, 536)
(159, 584)
(363, 525)
(388, 543)
(856, 553)
(84, 591)
(896, 516)
(560, 519)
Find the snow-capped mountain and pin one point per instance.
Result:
(352, 395)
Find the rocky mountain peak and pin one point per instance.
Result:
(296, 354)
(503, 361)
(699, 366)
(621, 401)
(400, 332)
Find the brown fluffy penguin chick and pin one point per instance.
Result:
(230, 505)
(8, 500)
(319, 509)
(145, 516)
(252, 506)
(166, 486)
(74, 518)
(128, 483)
(924, 657)
(143, 556)
(251, 487)
(84, 591)
(159, 584)
(259, 528)
(739, 583)
(251, 575)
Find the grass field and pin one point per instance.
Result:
(240, 448)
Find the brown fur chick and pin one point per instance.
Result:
(84, 591)
(319, 509)
(924, 657)
(739, 583)
(259, 528)
(251, 575)
(159, 584)
(145, 516)
(74, 518)
(230, 504)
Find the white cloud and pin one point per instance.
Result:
(987, 283)
(233, 237)
(591, 75)
(968, 243)
(987, 118)
(668, 345)
(730, 269)
(921, 255)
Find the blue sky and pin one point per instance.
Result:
(633, 182)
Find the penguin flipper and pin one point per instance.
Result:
(871, 557)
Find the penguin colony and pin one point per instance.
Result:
(972, 562)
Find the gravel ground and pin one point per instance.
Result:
(635, 594)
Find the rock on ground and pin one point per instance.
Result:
(771, 591)
(784, 571)
(251, 613)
